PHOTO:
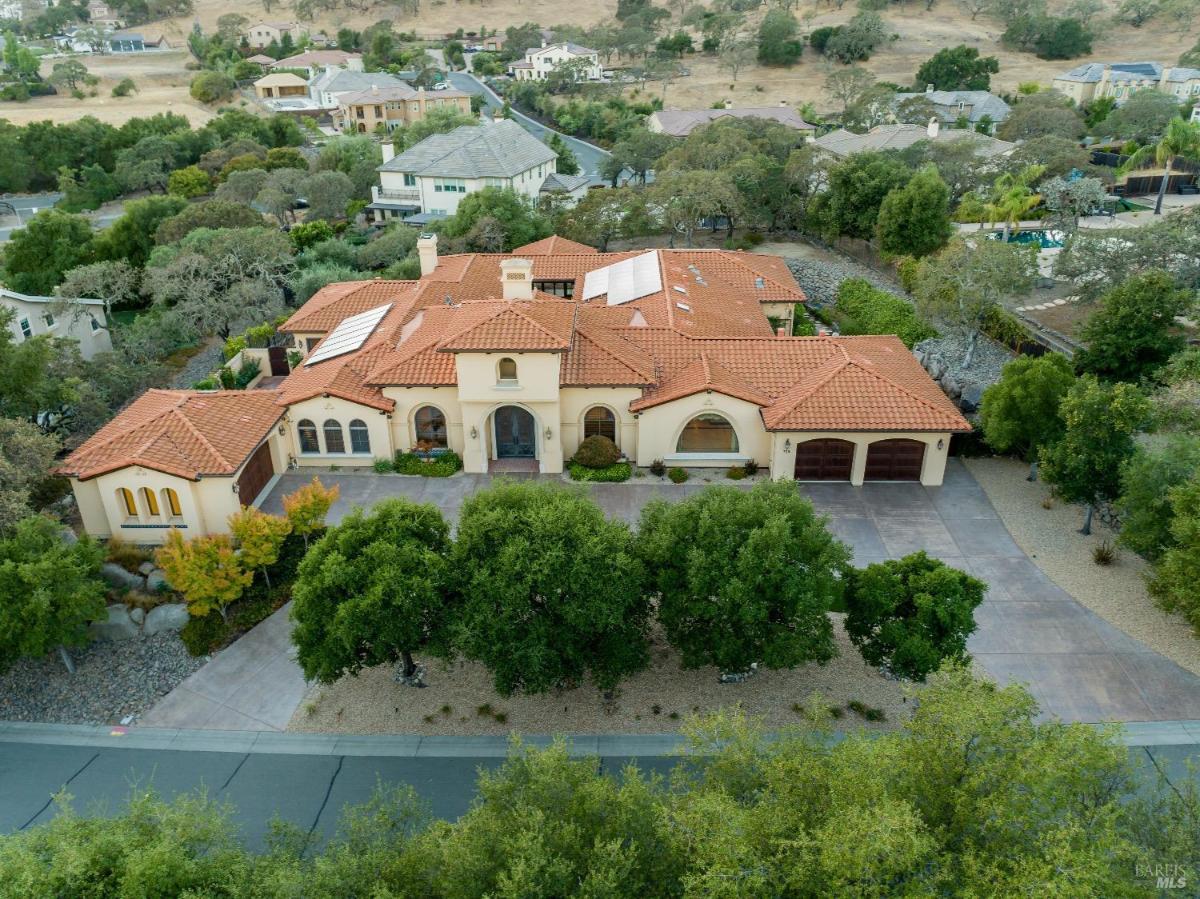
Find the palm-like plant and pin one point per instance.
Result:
(1013, 196)
(1180, 140)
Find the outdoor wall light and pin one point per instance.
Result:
(787, 446)
(235, 487)
(474, 433)
(941, 443)
(549, 433)
(282, 430)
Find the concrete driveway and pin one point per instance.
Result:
(1078, 666)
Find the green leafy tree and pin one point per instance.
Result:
(1178, 571)
(1137, 13)
(914, 220)
(206, 570)
(147, 165)
(89, 188)
(743, 577)
(188, 183)
(1180, 140)
(212, 87)
(603, 215)
(958, 68)
(550, 591)
(1134, 332)
(373, 591)
(567, 163)
(206, 214)
(1019, 413)
(51, 590)
(516, 221)
(69, 73)
(907, 616)
(1101, 420)
(779, 39)
(1046, 113)
(131, 237)
(857, 187)
(436, 121)
(1143, 117)
(52, 243)
(1146, 482)
(26, 454)
(327, 193)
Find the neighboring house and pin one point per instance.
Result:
(1118, 80)
(280, 84)
(126, 42)
(511, 360)
(682, 122)
(332, 83)
(261, 34)
(540, 61)
(842, 143)
(318, 60)
(434, 175)
(261, 59)
(566, 189)
(494, 44)
(392, 107)
(974, 107)
(33, 316)
(101, 15)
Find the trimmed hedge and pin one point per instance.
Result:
(610, 474)
(867, 310)
(440, 466)
(597, 451)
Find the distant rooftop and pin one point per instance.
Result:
(1092, 72)
(681, 122)
(899, 137)
(500, 150)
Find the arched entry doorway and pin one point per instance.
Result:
(515, 434)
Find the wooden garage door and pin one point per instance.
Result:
(255, 475)
(895, 460)
(826, 459)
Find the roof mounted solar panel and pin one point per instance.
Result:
(349, 335)
(624, 281)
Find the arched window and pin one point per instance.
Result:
(431, 426)
(308, 436)
(125, 499)
(149, 502)
(507, 369)
(335, 441)
(600, 420)
(708, 433)
(360, 439)
(171, 501)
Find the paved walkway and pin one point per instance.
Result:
(1078, 666)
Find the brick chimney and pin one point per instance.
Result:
(516, 279)
(427, 253)
(781, 331)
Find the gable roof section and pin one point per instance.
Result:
(602, 357)
(553, 246)
(186, 433)
(500, 150)
(682, 122)
(841, 142)
(518, 326)
(335, 302)
(705, 373)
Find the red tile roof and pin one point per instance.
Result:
(520, 326)
(553, 246)
(181, 432)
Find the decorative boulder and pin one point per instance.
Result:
(117, 626)
(971, 397)
(156, 580)
(145, 568)
(137, 615)
(171, 616)
(936, 366)
(118, 577)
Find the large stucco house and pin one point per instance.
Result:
(539, 62)
(433, 176)
(510, 360)
(33, 316)
(393, 107)
(1120, 80)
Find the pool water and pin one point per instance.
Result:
(1044, 239)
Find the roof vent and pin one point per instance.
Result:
(680, 289)
(684, 306)
(760, 283)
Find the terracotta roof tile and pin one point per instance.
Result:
(553, 246)
(544, 324)
(187, 433)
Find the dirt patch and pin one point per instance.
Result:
(460, 700)
(1051, 539)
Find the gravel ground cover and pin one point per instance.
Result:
(1051, 539)
(459, 699)
(112, 680)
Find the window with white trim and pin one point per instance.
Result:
(708, 433)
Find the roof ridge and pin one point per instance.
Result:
(196, 431)
(879, 376)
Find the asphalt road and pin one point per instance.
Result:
(309, 780)
(590, 157)
(28, 205)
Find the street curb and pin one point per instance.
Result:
(1134, 734)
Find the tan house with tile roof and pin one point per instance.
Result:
(393, 106)
(512, 359)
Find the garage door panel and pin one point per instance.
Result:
(895, 460)
(259, 469)
(824, 459)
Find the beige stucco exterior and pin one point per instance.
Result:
(34, 316)
(364, 115)
(659, 428)
(321, 409)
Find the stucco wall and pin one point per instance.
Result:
(409, 399)
(317, 410)
(205, 505)
(659, 428)
(67, 325)
(933, 469)
(575, 401)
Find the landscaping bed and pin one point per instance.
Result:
(653, 701)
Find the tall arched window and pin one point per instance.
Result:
(507, 369)
(599, 420)
(149, 502)
(708, 433)
(360, 438)
(335, 441)
(171, 501)
(308, 436)
(431, 426)
(125, 499)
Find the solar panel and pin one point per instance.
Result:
(624, 281)
(349, 335)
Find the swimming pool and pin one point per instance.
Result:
(1044, 239)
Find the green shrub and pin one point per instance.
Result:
(249, 371)
(384, 466)
(204, 635)
(873, 311)
(610, 474)
(124, 88)
(206, 384)
(226, 377)
(1004, 327)
(440, 466)
(677, 475)
(233, 346)
(658, 468)
(751, 468)
(736, 473)
(802, 325)
(597, 451)
(906, 269)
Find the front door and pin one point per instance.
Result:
(514, 433)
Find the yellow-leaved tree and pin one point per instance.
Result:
(206, 570)
(307, 507)
(259, 538)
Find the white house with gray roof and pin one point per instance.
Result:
(539, 62)
(431, 178)
(975, 107)
(82, 320)
(1094, 80)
